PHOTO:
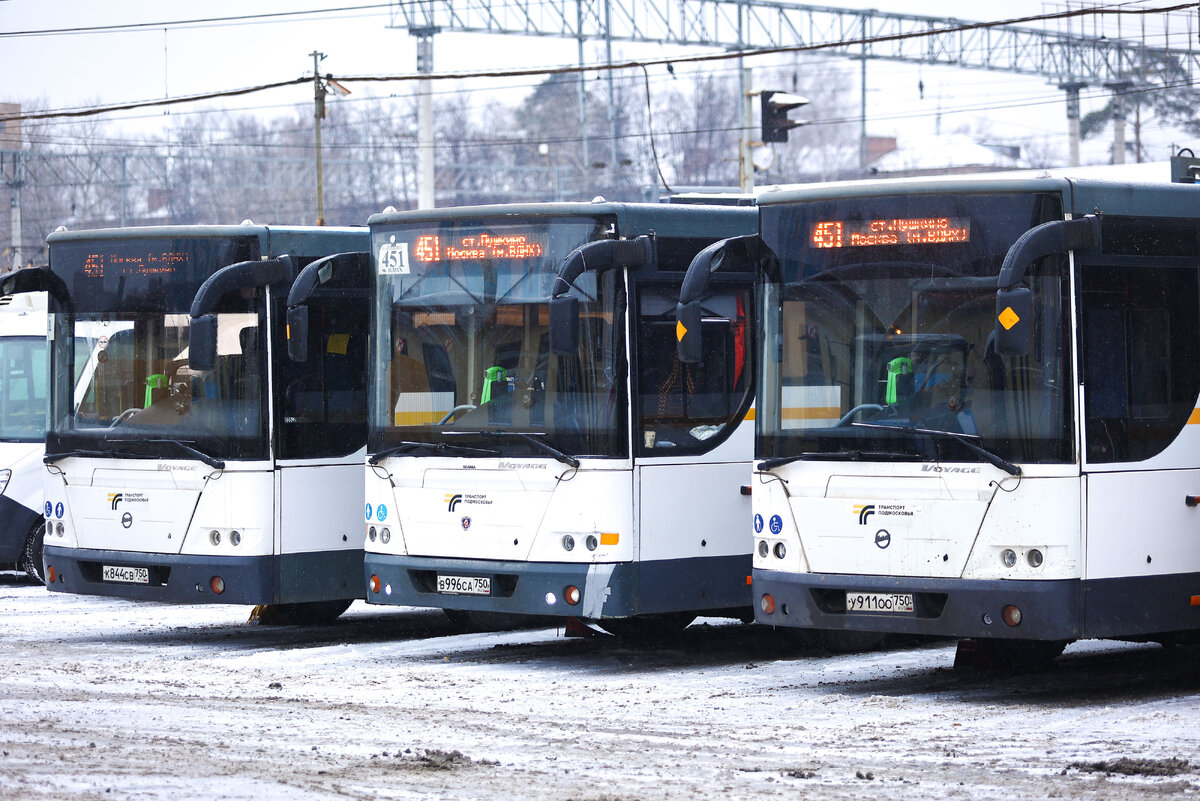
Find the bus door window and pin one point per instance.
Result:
(325, 396)
(1141, 340)
(681, 406)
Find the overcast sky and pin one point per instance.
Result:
(85, 69)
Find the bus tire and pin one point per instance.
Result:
(310, 613)
(31, 555)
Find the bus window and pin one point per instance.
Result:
(1139, 329)
(682, 406)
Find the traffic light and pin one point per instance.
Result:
(775, 108)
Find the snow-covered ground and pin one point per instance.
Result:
(106, 699)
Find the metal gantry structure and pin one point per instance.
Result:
(1072, 61)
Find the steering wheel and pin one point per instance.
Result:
(123, 416)
(463, 407)
(862, 407)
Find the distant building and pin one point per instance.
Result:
(942, 155)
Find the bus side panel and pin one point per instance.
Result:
(695, 536)
(320, 535)
(1143, 559)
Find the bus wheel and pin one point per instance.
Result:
(647, 628)
(31, 556)
(987, 655)
(311, 613)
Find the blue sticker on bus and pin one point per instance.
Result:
(49, 509)
(58, 510)
(776, 524)
(758, 524)
(381, 512)
(368, 511)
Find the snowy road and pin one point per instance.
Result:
(104, 699)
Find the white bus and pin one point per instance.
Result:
(534, 445)
(23, 380)
(192, 461)
(978, 410)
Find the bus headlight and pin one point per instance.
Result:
(1034, 557)
(235, 538)
(591, 542)
(780, 550)
(1009, 557)
(214, 537)
(568, 542)
(372, 534)
(385, 536)
(764, 550)
(60, 529)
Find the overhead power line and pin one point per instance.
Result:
(624, 65)
(189, 23)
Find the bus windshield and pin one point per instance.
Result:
(127, 343)
(462, 353)
(878, 321)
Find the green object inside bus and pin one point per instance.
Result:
(901, 365)
(491, 377)
(154, 381)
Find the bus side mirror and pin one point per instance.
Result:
(564, 326)
(202, 343)
(297, 333)
(690, 344)
(1014, 313)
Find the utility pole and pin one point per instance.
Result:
(320, 89)
(745, 141)
(426, 198)
(319, 113)
(1072, 89)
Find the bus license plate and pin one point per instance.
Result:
(125, 575)
(464, 585)
(885, 602)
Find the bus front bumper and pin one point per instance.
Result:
(164, 577)
(1048, 609)
(622, 589)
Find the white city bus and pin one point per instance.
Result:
(534, 445)
(23, 380)
(192, 461)
(977, 410)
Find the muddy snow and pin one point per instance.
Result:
(106, 699)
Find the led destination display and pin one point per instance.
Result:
(874, 233)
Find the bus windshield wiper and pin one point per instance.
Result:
(211, 461)
(966, 439)
(51, 458)
(561, 456)
(437, 447)
(817, 456)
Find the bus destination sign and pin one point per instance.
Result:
(874, 233)
(476, 247)
(126, 261)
